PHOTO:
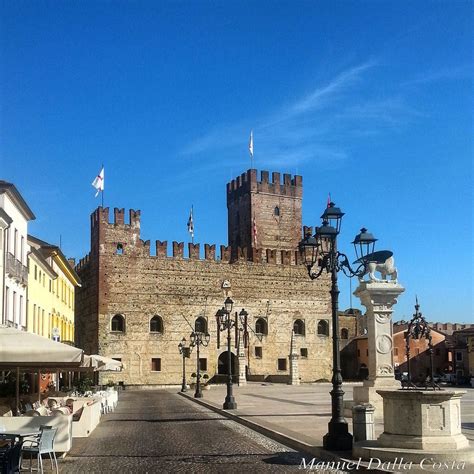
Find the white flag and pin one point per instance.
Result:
(191, 223)
(98, 182)
(251, 143)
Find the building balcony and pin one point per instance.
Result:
(16, 270)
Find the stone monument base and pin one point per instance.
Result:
(371, 450)
(368, 393)
(419, 424)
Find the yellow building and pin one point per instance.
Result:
(51, 285)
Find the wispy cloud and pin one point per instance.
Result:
(460, 72)
(316, 127)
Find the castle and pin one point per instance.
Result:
(137, 307)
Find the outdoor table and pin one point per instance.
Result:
(19, 433)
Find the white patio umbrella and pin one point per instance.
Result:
(25, 349)
(102, 363)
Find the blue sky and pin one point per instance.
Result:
(371, 101)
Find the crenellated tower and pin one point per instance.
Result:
(264, 213)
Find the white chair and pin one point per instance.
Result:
(42, 444)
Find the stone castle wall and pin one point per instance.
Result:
(121, 277)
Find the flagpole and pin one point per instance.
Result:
(192, 214)
(103, 188)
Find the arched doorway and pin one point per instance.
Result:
(222, 367)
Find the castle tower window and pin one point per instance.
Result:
(276, 211)
(119, 249)
(261, 326)
(156, 324)
(118, 323)
(304, 352)
(298, 327)
(200, 325)
(344, 333)
(258, 352)
(323, 328)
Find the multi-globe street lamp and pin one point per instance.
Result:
(225, 322)
(198, 339)
(185, 351)
(320, 253)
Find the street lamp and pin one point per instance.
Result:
(320, 251)
(185, 351)
(198, 339)
(224, 321)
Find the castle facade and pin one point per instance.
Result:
(136, 305)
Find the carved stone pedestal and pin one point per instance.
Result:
(378, 297)
(419, 425)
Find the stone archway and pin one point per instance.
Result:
(222, 368)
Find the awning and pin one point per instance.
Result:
(25, 349)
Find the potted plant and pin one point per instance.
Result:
(111, 385)
(205, 384)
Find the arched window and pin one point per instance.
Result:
(298, 327)
(261, 326)
(276, 211)
(200, 325)
(344, 333)
(323, 328)
(118, 323)
(156, 324)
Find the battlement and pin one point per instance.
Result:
(247, 182)
(134, 246)
(101, 216)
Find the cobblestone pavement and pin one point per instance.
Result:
(160, 432)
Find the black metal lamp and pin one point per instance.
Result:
(364, 244)
(309, 249)
(333, 216)
(228, 304)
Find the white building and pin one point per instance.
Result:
(13, 246)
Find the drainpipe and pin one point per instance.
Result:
(5, 249)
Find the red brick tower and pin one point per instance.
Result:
(264, 214)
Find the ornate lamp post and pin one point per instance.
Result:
(224, 321)
(185, 351)
(320, 251)
(418, 328)
(198, 339)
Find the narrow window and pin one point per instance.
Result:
(344, 333)
(156, 364)
(276, 211)
(118, 323)
(298, 327)
(323, 328)
(258, 352)
(156, 324)
(281, 364)
(358, 352)
(261, 326)
(304, 352)
(119, 249)
(395, 351)
(459, 356)
(200, 325)
(203, 364)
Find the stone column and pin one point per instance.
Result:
(294, 372)
(378, 297)
(242, 361)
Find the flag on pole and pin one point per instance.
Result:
(254, 232)
(191, 223)
(329, 200)
(98, 182)
(251, 143)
